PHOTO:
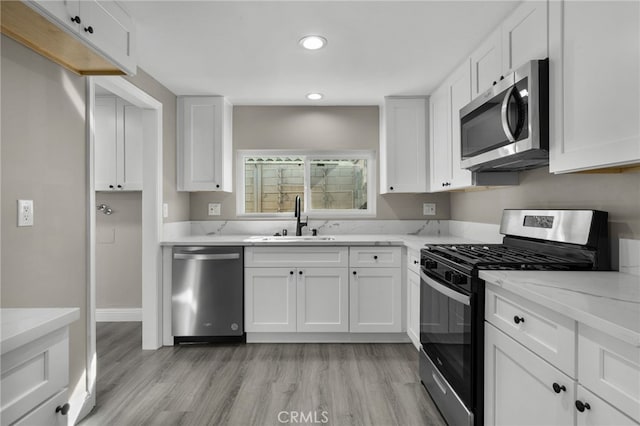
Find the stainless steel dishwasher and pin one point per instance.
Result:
(207, 294)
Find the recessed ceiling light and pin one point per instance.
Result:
(315, 96)
(313, 42)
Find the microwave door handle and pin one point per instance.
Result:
(505, 121)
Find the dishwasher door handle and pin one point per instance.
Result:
(225, 256)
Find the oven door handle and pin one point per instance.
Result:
(443, 289)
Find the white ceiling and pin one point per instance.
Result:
(248, 50)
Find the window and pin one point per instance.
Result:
(330, 184)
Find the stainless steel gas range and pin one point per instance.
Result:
(452, 295)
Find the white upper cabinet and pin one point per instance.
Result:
(594, 78)
(118, 145)
(522, 37)
(486, 64)
(403, 145)
(446, 102)
(204, 143)
(103, 25)
(525, 35)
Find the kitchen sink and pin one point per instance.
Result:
(289, 238)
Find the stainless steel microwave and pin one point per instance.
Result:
(507, 127)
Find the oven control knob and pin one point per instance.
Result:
(429, 264)
(458, 279)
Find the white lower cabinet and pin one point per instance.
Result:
(519, 385)
(375, 300)
(413, 308)
(597, 412)
(323, 299)
(528, 350)
(292, 296)
(270, 299)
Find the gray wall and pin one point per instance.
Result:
(43, 159)
(119, 251)
(313, 128)
(178, 201)
(618, 194)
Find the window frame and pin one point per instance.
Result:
(307, 157)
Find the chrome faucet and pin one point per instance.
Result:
(299, 225)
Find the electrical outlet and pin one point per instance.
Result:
(214, 209)
(429, 209)
(25, 212)
(165, 210)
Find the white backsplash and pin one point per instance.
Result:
(324, 227)
(486, 232)
(173, 230)
(629, 256)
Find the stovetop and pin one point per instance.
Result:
(500, 256)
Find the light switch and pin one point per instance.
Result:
(25, 212)
(214, 209)
(429, 209)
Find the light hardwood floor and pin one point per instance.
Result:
(256, 384)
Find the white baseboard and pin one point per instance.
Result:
(118, 314)
(327, 338)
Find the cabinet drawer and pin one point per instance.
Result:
(611, 369)
(375, 257)
(294, 257)
(413, 261)
(46, 414)
(547, 333)
(34, 373)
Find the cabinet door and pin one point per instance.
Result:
(105, 143)
(525, 35)
(270, 299)
(323, 299)
(375, 304)
(46, 414)
(129, 150)
(460, 94)
(204, 144)
(110, 30)
(440, 144)
(486, 64)
(594, 76)
(405, 146)
(518, 385)
(413, 307)
(61, 11)
(599, 412)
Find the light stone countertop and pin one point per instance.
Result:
(415, 242)
(607, 301)
(23, 325)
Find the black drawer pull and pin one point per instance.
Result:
(63, 409)
(581, 406)
(518, 319)
(559, 388)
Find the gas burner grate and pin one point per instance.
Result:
(499, 256)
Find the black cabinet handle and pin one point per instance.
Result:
(300, 272)
(120, 186)
(518, 319)
(76, 19)
(415, 262)
(495, 82)
(217, 185)
(291, 272)
(111, 186)
(63, 409)
(354, 273)
(391, 188)
(89, 29)
(501, 77)
(581, 406)
(559, 388)
(375, 257)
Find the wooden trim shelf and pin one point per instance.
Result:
(28, 27)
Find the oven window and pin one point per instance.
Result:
(445, 334)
